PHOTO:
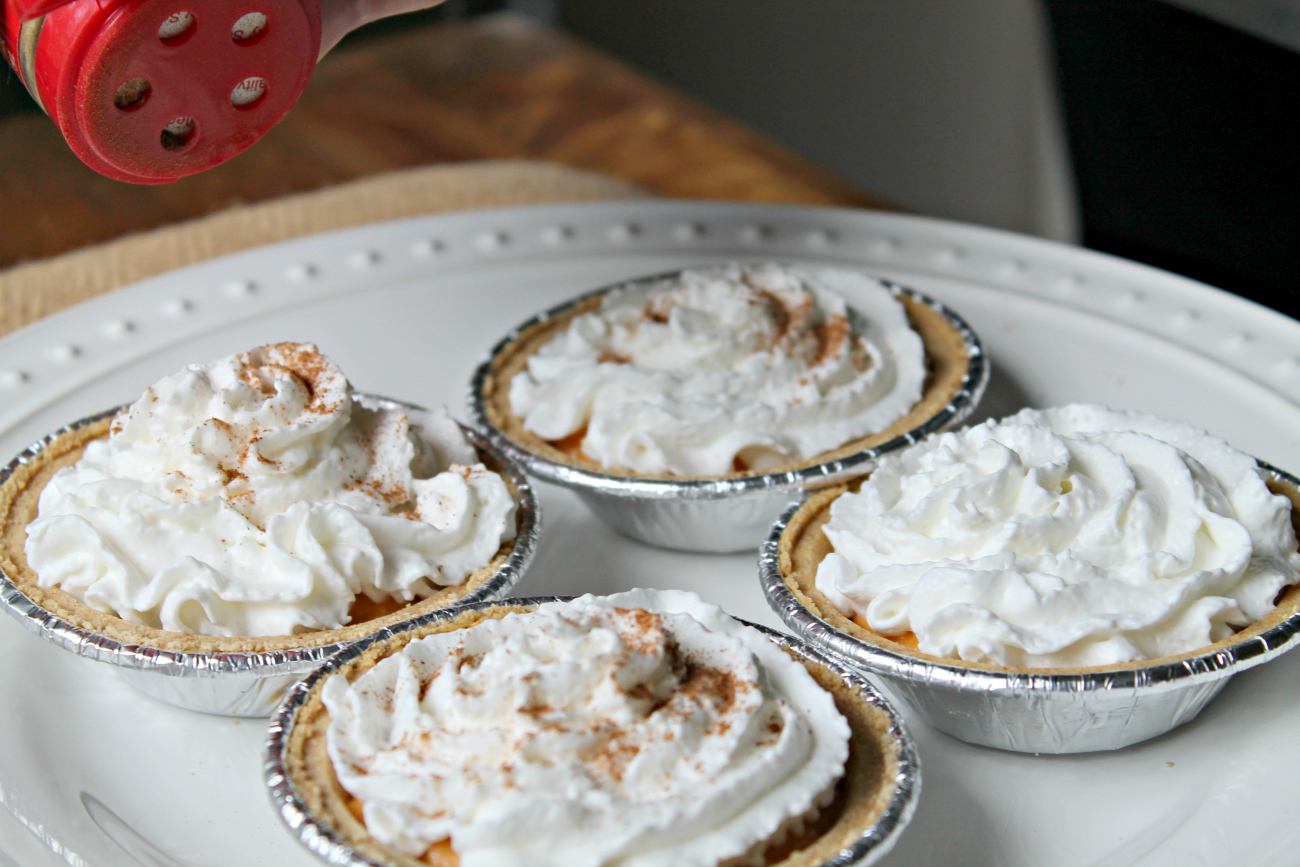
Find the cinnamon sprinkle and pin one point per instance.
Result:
(646, 635)
(657, 309)
(705, 683)
(783, 319)
(299, 361)
(830, 334)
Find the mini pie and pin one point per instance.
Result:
(862, 796)
(803, 546)
(946, 358)
(19, 496)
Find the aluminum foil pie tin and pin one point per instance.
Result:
(712, 515)
(322, 841)
(244, 684)
(1028, 712)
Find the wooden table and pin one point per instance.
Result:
(493, 87)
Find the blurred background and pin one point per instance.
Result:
(1166, 132)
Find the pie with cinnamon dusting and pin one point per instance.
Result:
(19, 497)
(946, 359)
(862, 795)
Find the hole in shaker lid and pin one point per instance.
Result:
(132, 94)
(248, 28)
(248, 92)
(177, 134)
(176, 28)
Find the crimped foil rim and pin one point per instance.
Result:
(962, 404)
(1179, 674)
(324, 843)
(183, 663)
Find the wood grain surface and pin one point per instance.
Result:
(497, 86)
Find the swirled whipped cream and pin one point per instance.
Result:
(255, 495)
(1074, 536)
(727, 369)
(642, 729)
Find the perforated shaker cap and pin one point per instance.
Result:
(150, 91)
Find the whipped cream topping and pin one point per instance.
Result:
(642, 729)
(725, 369)
(255, 495)
(1074, 536)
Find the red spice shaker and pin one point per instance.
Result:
(149, 91)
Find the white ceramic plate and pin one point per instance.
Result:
(94, 773)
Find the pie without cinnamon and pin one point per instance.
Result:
(803, 545)
(19, 497)
(862, 797)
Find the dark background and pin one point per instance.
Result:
(1185, 137)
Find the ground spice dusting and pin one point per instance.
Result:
(537, 710)
(858, 356)
(641, 692)
(385, 698)
(702, 685)
(831, 335)
(250, 377)
(261, 368)
(384, 489)
(615, 760)
(232, 474)
(305, 361)
(657, 310)
(703, 682)
(644, 635)
(249, 450)
(300, 361)
(783, 319)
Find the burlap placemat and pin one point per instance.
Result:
(35, 289)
